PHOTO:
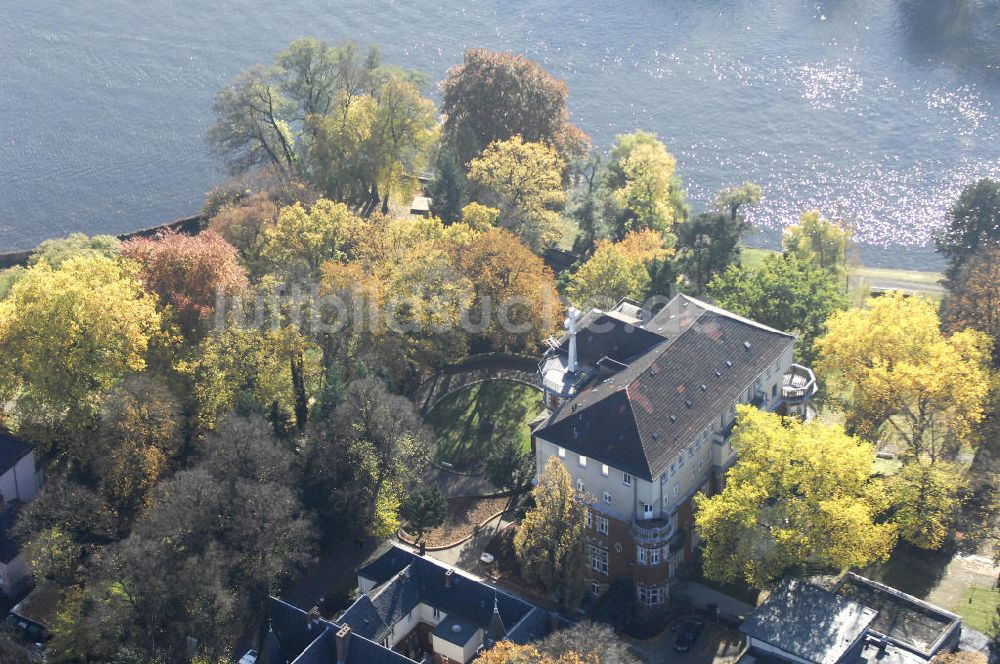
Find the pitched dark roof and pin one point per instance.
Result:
(365, 619)
(12, 450)
(640, 418)
(534, 626)
(386, 566)
(809, 622)
(287, 633)
(290, 637)
(423, 580)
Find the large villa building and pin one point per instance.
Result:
(640, 411)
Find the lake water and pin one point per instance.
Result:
(875, 110)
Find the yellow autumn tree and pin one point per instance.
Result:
(524, 182)
(617, 269)
(70, 335)
(549, 544)
(904, 379)
(799, 493)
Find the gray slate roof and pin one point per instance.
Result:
(287, 636)
(691, 361)
(809, 622)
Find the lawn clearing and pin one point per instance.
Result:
(466, 423)
(978, 607)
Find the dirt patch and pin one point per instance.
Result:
(464, 517)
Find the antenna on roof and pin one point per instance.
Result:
(570, 325)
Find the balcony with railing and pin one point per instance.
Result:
(799, 384)
(652, 531)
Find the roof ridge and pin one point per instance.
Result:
(729, 314)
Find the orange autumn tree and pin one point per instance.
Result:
(188, 273)
(512, 286)
(506, 652)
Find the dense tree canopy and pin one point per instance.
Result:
(188, 273)
(799, 493)
(973, 299)
(906, 379)
(71, 334)
(494, 96)
(521, 180)
(617, 270)
(784, 292)
(330, 114)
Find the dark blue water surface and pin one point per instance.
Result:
(876, 110)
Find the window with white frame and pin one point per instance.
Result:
(677, 490)
(643, 555)
(598, 559)
(437, 613)
(583, 461)
(604, 469)
(602, 525)
(595, 588)
(654, 556)
(627, 479)
(656, 596)
(562, 452)
(607, 497)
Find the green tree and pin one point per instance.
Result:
(784, 292)
(522, 180)
(550, 542)
(640, 188)
(509, 467)
(494, 96)
(819, 241)
(253, 126)
(57, 251)
(798, 493)
(925, 502)
(424, 509)
(70, 335)
(973, 222)
(905, 379)
(973, 299)
(52, 555)
(448, 195)
(362, 458)
(242, 371)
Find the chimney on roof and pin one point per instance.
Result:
(570, 325)
(423, 548)
(448, 576)
(343, 636)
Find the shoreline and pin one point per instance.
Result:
(190, 225)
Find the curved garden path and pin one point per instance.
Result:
(475, 369)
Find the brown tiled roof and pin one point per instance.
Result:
(640, 418)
